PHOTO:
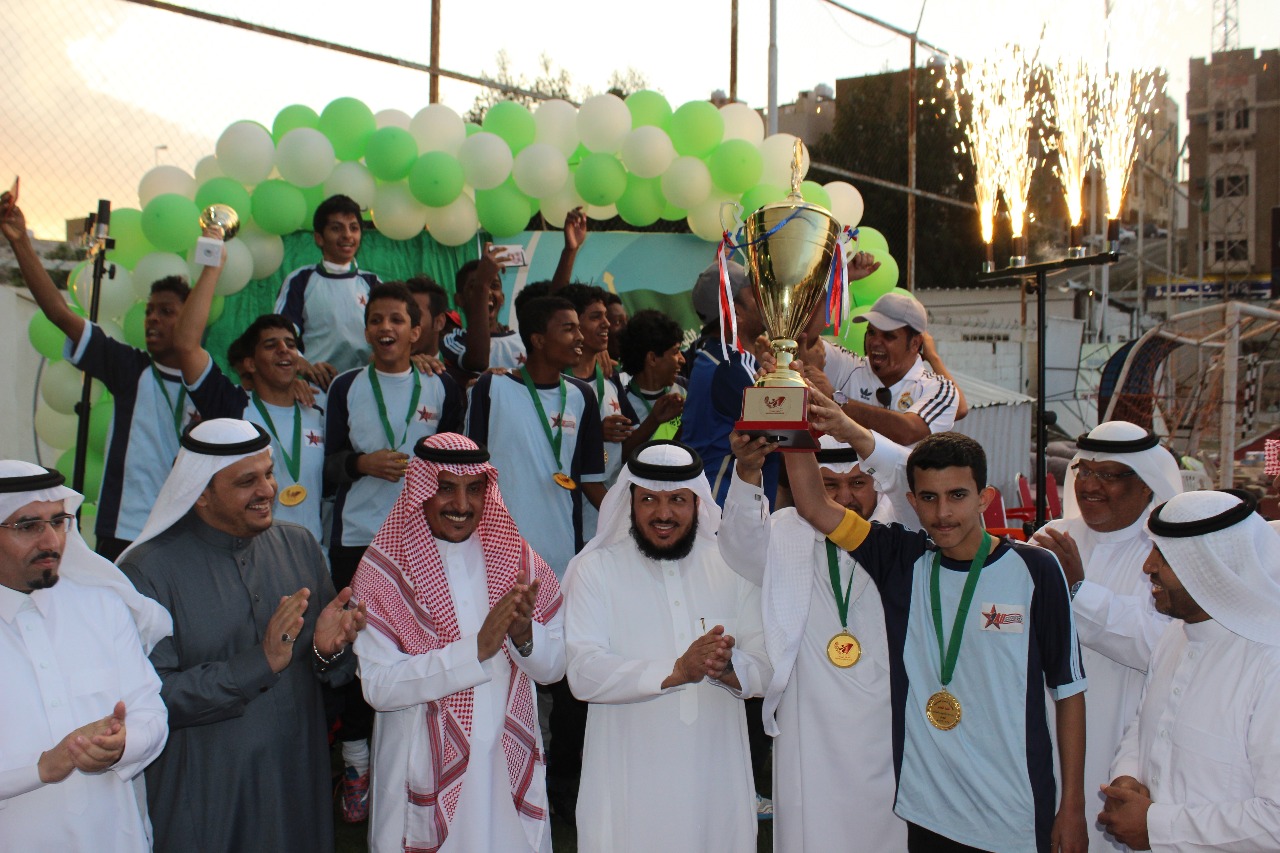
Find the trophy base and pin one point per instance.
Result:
(778, 413)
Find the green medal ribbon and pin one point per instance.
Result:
(842, 602)
(952, 652)
(648, 406)
(599, 382)
(552, 438)
(382, 407)
(291, 463)
(176, 411)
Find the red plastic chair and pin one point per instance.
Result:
(1051, 495)
(1011, 532)
(994, 514)
(1026, 512)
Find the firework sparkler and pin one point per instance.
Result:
(1072, 112)
(1124, 99)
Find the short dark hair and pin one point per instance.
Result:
(175, 284)
(334, 204)
(611, 298)
(437, 296)
(535, 314)
(530, 292)
(394, 290)
(583, 295)
(948, 450)
(648, 331)
(243, 347)
(464, 275)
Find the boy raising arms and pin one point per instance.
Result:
(977, 628)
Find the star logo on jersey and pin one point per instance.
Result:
(1006, 618)
(425, 414)
(613, 404)
(520, 358)
(362, 300)
(561, 420)
(314, 438)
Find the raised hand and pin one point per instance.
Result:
(283, 629)
(384, 464)
(338, 623)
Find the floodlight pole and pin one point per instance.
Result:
(434, 94)
(1040, 272)
(773, 67)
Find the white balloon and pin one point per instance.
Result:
(557, 207)
(112, 330)
(486, 160)
(540, 170)
(392, 118)
(237, 271)
(165, 179)
(686, 183)
(61, 384)
(777, 152)
(245, 152)
(846, 203)
(556, 123)
(602, 213)
(353, 180)
(305, 157)
(397, 213)
(267, 249)
(742, 122)
(208, 169)
(603, 122)
(55, 429)
(455, 223)
(117, 293)
(647, 152)
(710, 218)
(153, 267)
(438, 128)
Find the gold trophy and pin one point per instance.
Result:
(209, 250)
(790, 246)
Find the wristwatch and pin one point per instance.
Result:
(840, 398)
(1075, 587)
(526, 648)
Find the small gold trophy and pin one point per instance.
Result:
(790, 246)
(208, 250)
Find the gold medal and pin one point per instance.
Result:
(943, 711)
(564, 481)
(293, 495)
(844, 650)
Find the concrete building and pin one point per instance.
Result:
(811, 116)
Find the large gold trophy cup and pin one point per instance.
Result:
(790, 246)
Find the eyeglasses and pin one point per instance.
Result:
(1102, 476)
(34, 528)
(884, 396)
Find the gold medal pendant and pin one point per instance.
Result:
(844, 650)
(943, 710)
(564, 481)
(293, 495)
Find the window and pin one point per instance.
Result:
(1231, 186)
(1230, 250)
(1242, 119)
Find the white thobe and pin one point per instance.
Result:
(662, 769)
(397, 686)
(67, 655)
(1119, 627)
(1206, 742)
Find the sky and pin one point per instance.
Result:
(97, 91)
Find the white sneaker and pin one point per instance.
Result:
(764, 808)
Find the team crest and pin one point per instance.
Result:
(905, 401)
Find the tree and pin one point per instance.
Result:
(550, 82)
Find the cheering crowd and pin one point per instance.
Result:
(517, 574)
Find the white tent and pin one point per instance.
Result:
(1000, 420)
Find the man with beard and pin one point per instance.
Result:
(247, 763)
(83, 713)
(1198, 768)
(664, 640)
(456, 739)
(1118, 475)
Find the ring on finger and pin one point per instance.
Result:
(285, 638)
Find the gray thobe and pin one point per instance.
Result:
(246, 766)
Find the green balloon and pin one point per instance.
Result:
(291, 118)
(642, 203)
(600, 179)
(92, 471)
(45, 337)
(853, 337)
(696, 128)
(813, 192)
(512, 122)
(171, 223)
(579, 154)
(88, 522)
(436, 179)
(760, 195)
(503, 210)
(216, 308)
(871, 240)
(390, 154)
(866, 291)
(671, 213)
(71, 280)
(472, 128)
(735, 165)
(226, 191)
(100, 423)
(648, 108)
(131, 244)
(135, 325)
(348, 123)
(313, 196)
(279, 207)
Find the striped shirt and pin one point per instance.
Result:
(920, 392)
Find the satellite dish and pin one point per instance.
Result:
(822, 90)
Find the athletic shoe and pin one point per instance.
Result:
(764, 808)
(355, 796)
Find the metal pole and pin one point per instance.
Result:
(773, 67)
(1042, 427)
(434, 96)
(911, 168)
(733, 51)
(1227, 429)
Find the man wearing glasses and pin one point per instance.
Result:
(1118, 475)
(82, 706)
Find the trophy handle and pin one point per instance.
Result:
(737, 216)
